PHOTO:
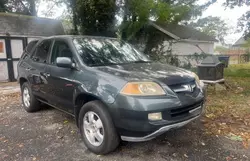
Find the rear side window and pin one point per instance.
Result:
(42, 51)
(30, 46)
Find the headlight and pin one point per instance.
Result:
(197, 79)
(142, 89)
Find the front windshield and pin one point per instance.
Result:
(103, 51)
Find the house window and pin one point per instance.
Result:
(1, 47)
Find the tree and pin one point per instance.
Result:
(244, 21)
(3, 6)
(95, 16)
(233, 3)
(136, 14)
(69, 15)
(26, 7)
(213, 26)
(244, 24)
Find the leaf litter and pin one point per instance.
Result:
(228, 112)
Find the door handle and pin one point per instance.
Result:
(35, 58)
(45, 74)
(28, 69)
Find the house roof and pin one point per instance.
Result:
(180, 32)
(240, 42)
(14, 24)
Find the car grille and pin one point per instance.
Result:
(185, 95)
(184, 110)
(181, 113)
(186, 88)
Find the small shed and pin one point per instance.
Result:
(182, 41)
(189, 40)
(16, 31)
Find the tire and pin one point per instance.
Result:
(33, 104)
(110, 137)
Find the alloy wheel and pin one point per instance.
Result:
(93, 128)
(26, 97)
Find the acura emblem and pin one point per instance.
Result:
(188, 87)
(185, 88)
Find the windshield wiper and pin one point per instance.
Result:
(107, 64)
(141, 61)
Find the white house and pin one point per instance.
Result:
(240, 42)
(188, 40)
(16, 31)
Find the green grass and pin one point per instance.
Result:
(237, 70)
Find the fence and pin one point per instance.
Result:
(191, 61)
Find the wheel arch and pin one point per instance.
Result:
(81, 99)
(22, 80)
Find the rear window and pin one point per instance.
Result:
(42, 51)
(30, 46)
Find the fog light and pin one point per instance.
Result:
(155, 116)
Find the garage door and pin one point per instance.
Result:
(3, 62)
(16, 50)
(11, 49)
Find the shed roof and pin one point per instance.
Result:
(183, 32)
(241, 41)
(14, 24)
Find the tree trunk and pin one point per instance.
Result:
(126, 10)
(3, 7)
(73, 7)
(32, 7)
(124, 20)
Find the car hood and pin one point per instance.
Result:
(167, 74)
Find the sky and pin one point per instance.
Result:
(231, 16)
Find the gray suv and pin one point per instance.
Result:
(114, 91)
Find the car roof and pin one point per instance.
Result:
(77, 36)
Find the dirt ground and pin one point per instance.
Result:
(52, 135)
(9, 88)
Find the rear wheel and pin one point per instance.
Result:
(97, 129)
(30, 103)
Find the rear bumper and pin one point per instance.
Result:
(157, 132)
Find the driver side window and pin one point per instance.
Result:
(60, 49)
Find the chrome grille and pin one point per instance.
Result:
(187, 87)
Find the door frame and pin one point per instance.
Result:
(9, 56)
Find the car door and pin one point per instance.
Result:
(60, 82)
(36, 69)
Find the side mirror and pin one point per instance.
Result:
(64, 62)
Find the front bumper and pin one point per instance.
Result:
(157, 132)
(130, 114)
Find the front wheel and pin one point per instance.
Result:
(97, 129)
